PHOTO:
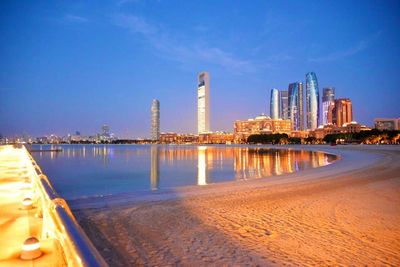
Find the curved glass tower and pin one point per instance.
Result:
(312, 101)
(155, 120)
(274, 104)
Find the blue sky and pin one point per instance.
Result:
(71, 66)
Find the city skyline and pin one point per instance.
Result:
(71, 66)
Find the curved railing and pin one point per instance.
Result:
(59, 222)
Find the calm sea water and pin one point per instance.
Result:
(90, 170)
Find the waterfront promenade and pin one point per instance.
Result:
(29, 207)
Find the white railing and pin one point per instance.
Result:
(58, 220)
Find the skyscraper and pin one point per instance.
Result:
(274, 104)
(341, 112)
(328, 97)
(301, 108)
(284, 104)
(295, 92)
(312, 101)
(155, 120)
(105, 130)
(203, 103)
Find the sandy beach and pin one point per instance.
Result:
(346, 213)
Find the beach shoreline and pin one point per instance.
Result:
(340, 214)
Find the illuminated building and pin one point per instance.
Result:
(260, 125)
(284, 104)
(105, 134)
(340, 112)
(312, 101)
(155, 120)
(168, 138)
(351, 127)
(274, 104)
(387, 124)
(203, 103)
(295, 98)
(216, 138)
(328, 98)
(105, 130)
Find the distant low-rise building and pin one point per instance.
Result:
(167, 138)
(260, 125)
(175, 138)
(351, 127)
(387, 124)
(216, 138)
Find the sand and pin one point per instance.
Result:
(347, 213)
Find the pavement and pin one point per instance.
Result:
(17, 223)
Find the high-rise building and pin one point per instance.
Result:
(301, 108)
(155, 120)
(203, 103)
(328, 97)
(312, 101)
(295, 97)
(274, 104)
(105, 130)
(340, 112)
(284, 104)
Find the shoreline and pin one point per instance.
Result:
(193, 190)
(322, 216)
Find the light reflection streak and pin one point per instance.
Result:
(201, 166)
(155, 168)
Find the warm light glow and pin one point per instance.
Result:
(30, 247)
(201, 166)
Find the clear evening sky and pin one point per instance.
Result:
(71, 66)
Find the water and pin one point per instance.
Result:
(91, 170)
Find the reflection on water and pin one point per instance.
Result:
(110, 169)
(201, 165)
(155, 169)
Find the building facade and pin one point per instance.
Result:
(284, 105)
(295, 99)
(351, 127)
(216, 138)
(312, 101)
(155, 120)
(340, 112)
(259, 125)
(274, 104)
(328, 98)
(387, 124)
(203, 103)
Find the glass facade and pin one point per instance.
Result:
(203, 103)
(155, 120)
(296, 105)
(274, 104)
(312, 101)
(284, 104)
(328, 98)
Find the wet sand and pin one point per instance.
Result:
(347, 213)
